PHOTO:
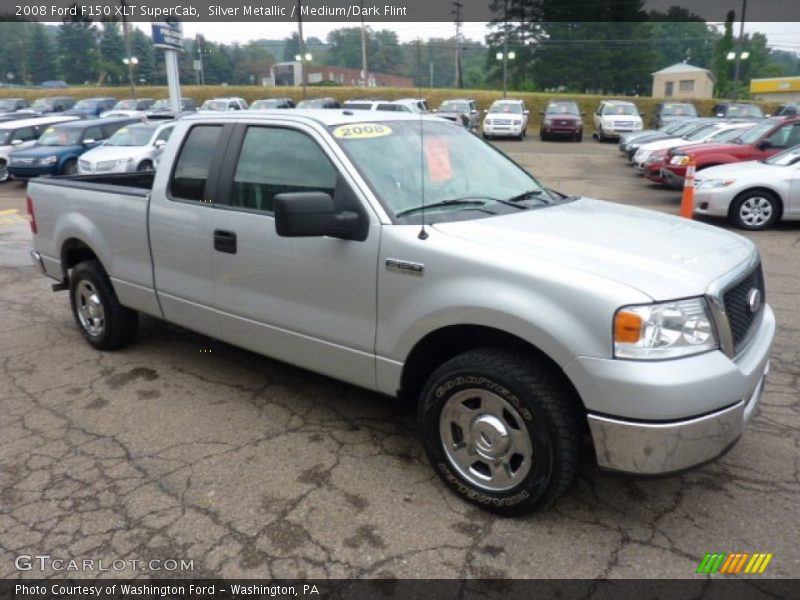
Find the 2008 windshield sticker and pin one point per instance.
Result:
(361, 131)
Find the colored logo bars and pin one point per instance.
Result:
(720, 562)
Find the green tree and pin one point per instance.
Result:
(112, 51)
(43, 67)
(142, 48)
(77, 38)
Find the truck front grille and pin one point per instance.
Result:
(736, 300)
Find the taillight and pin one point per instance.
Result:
(31, 214)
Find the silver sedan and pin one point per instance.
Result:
(132, 148)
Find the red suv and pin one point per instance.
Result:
(561, 118)
(765, 139)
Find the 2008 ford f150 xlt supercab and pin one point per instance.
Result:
(406, 255)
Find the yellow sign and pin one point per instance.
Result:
(777, 85)
(360, 131)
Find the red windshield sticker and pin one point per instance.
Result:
(437, 154)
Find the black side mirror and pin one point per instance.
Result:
(764, 145)
(312, 214)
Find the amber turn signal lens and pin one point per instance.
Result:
(627, 327)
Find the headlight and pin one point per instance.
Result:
(548, 122)
(487, 122)
(714, 183)
(637, 125)
(680, 160)
(50, 160)
(664, 330)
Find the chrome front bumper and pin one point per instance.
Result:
(644, 448)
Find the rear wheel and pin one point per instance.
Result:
(755, 210)
(501, 430)
(70, 167)
(4, 176)
(579, 137)
(103, 321)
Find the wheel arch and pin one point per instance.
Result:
(74, 251)
(762, 189)
(449, 341)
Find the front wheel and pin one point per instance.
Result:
(103, 321)
(4, 176)
(146, 166)
(755, 210)
(501, 430)
(70, 167)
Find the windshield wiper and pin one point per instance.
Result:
(529, 194)
(452, 202)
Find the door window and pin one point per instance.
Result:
(276, 161)
(788, 135)
(93, 133)
(164, 134)
(25, 134)
(194, 162)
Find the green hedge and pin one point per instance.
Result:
(536, 101)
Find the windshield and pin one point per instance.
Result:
(726, 135)
(506, 107)
(131, 136)
(42, 103)
(563, 108)
(7, 104)
(86, 104)
(60, 137)
(125, 105)
(457, 167)
(681, 127)
(161, 104)
(785, 158)
(450, 106)
(700, 133)
(678, 110)
(744, 110)
(215, 105)
(621, 109)
(754, 133)
(265, 104)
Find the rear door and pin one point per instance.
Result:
(308, 301)
(181, 225)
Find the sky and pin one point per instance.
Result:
(782, 35)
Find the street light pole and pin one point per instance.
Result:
(505, 48)
(302, 45)
(364, 71)
(126, 32)
(739, 52)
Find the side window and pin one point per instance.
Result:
(786, 136)
(233, 105)
(194, 162)
(276, 161)
(25, 134)
(93, 133)
(164, 134)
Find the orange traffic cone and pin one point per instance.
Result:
(687, 201)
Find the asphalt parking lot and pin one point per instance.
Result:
(180, 447)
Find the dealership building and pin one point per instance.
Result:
(291, 73)
(776, 89)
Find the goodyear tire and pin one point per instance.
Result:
(501, 430)
(103, 321)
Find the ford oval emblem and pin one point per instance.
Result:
(754, 300)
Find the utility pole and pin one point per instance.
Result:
(457, 13)
(201, 76)
(431, 66)
(505, 48)
(364, 71)
(126, 32)
(739, 52)
(302, 45)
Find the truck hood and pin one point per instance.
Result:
(747, 169)
(712, 147)
(662, 256)
(43, 151)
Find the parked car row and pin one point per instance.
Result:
(748, 169)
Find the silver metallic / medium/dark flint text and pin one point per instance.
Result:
(44, 562)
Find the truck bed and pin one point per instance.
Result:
(135, 184)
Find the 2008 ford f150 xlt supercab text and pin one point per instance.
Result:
(405, 255)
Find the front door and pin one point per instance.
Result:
(308, 301)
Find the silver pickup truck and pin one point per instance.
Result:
(407, 256)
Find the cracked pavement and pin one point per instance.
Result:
(182, 447)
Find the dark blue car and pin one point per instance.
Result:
(92, 107)
(57, 150)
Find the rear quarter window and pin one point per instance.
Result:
(194, 162)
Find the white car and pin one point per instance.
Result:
(753, 194)
(23, 133)
(615, 117)
(506, 118)
(224, 104)
(390, 105)
(132, 148)
(710, 132)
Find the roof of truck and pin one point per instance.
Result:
(325, 116)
